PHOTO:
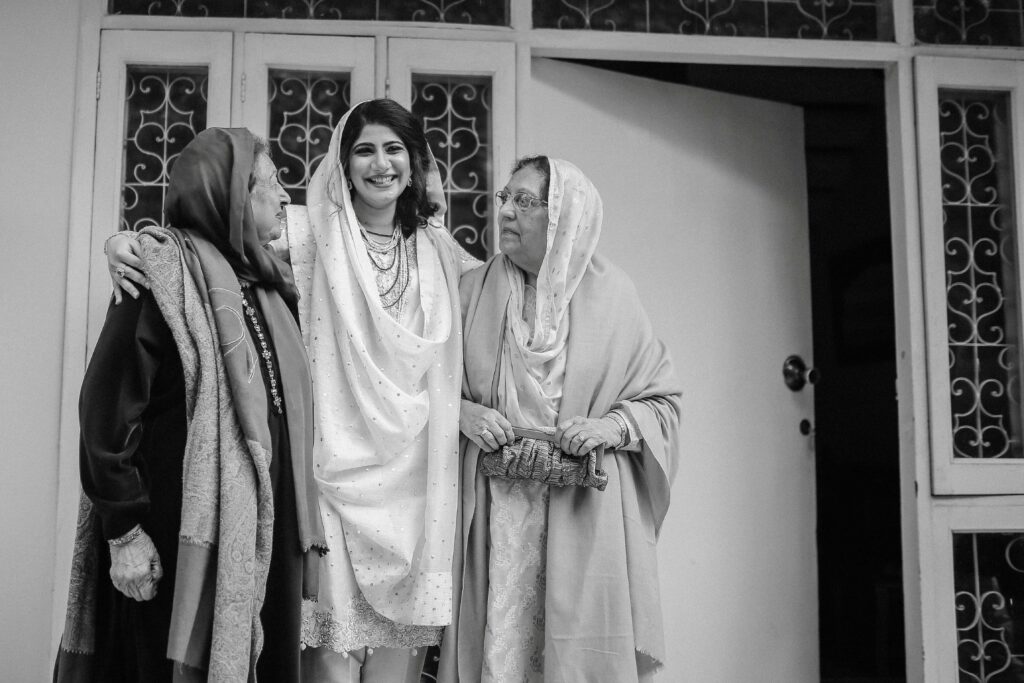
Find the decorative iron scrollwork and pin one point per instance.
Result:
(809, 19)
(456, 113)
(165, 109)
(988, 576)
(304, 108)
(982, 306)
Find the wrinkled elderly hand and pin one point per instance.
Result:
(581, 435)
(485, 427)
(135, 568)
(124, 262)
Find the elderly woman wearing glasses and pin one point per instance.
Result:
(559, 583)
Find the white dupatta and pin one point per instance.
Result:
(533, 364)
(387, 410)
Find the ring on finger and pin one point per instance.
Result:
(483, 432)
(120, 272)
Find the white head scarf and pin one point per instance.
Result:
(537, 359)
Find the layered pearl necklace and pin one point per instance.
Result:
(392, 265)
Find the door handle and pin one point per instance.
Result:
(797, 375)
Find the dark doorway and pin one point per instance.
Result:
(860, 593)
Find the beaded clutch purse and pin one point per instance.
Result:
(533, 455)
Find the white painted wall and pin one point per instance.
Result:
(38, 44)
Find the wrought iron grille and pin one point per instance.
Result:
(988, 574)
(969, 22)
(164, 110)
(810, 19)
(456, 113)
(982, 303)
(304, 107)
(484, 12)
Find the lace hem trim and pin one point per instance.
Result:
(361, 626)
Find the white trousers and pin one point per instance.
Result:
(365, 665)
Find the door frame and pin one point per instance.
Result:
(895, 59)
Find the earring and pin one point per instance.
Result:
(409, 183)
(348, 182)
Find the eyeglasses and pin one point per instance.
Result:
(523, 201)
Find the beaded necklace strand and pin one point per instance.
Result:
(250, 312)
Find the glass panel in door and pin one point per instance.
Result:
(982, 305)
(969, 146)
(456, 114)
(464, 93)
(297, 88)
(157, 90)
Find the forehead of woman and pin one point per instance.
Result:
(377, 133)
(528, 179)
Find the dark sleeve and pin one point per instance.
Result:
(116, 393)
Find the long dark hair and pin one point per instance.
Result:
(413, 207)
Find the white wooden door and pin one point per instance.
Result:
(290, 63)
(294, 90)
(464, 92)
(971, 513)
(706, 209)
(180, 83)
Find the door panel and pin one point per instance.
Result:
(157, 90)
(296, 90)
(705, 208)
(969, 116)
(465, 94)
(970, 151)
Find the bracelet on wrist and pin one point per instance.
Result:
(623, 428)
(127, 538)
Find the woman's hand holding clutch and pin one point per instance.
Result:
(581, 435)
(484, 426)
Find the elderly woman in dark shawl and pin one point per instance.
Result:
(199, 523)
(560, 583)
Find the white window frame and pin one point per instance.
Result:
(119, 50)
(960, 476)
(987, 515)
(495, 60)
(264, 51)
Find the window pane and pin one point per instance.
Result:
(164, 109)
(969, 22)
(304, 108)
(982, 305)
(456, 113)
(484, 12)
(988, 575)
(812, 19)
(179, 8)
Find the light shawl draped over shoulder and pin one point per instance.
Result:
(591, 338)
(386, 428)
